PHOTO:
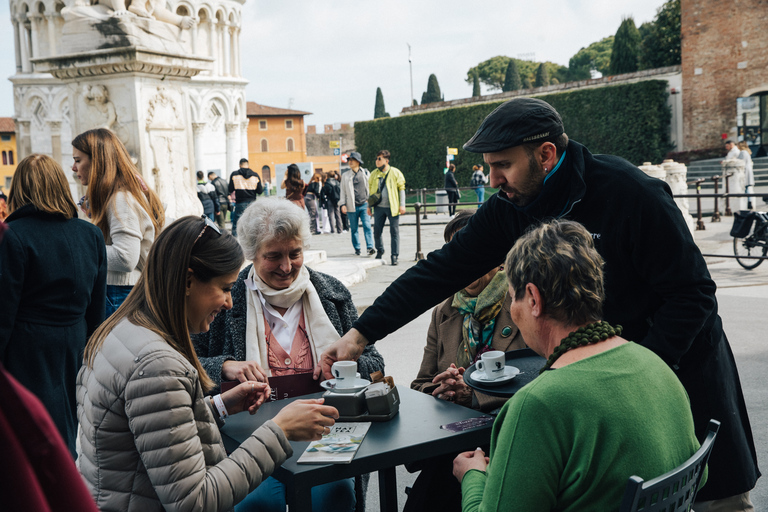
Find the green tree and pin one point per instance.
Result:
(432, 93)
(512, 80)
(379, 110)
(493, 71)
(660, 39)
(527, 83)
(542, 76)
(415, 103)
(596, 56)
(626, 46)
(475, 85)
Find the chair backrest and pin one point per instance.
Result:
(673, 491)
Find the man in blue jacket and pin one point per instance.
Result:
(657, 283)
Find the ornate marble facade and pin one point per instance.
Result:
(165, 78)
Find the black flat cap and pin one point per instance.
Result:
(516, 122)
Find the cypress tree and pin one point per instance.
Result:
(512, 80)
(379, 110)
(475, 84)
(433, 91)
(542, 76)
(626, 46)
(526, 82)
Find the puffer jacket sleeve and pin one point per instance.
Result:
(160, 400)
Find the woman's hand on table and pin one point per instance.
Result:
(245, 396)
(243, 371)
(452, 386)
(347, 348)
(306, 420)
(469, 460)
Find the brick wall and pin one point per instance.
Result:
(724, 56)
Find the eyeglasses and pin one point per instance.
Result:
(207, 223)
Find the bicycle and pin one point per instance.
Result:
(750, 238)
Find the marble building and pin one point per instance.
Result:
(165, 78)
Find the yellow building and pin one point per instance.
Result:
(8, 151)
(275, 136)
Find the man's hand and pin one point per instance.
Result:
(469, 460)
(245, 396)
(452, 386)
(348, 348)
(402, 210)
(306, 420)
(243, 371)
(343, 209)
(369, 213)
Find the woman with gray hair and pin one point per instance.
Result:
(603, 408)
(283, 316)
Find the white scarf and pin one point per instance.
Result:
(320, 330)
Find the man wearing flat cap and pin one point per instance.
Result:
(353, 200)
(657, 283)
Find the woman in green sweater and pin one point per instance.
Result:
(603, 408)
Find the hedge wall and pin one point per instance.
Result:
(631, 121)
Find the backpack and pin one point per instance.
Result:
(477, 180)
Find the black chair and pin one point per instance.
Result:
(673, 491)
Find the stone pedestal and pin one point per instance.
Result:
(676, 177)
(141, 95)
(654, 171)
(737, 182)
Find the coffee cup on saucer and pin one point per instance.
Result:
(345, 373)
(492, 363)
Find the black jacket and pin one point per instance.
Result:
(246, 184)
(221, 189)
(53, 275)
(450, 182)
(656, 282)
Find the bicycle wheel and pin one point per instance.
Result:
(749, 247)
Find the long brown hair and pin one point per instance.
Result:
(113, 171)
(158, 301)
(39, 180)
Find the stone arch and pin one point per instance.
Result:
(40, 8)
(756, 90)
(183, 10)
(220, 16)
(58, 6)
(204, 13)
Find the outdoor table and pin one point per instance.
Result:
(413, 435)
(526, 360)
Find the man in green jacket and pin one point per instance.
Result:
(391, 183)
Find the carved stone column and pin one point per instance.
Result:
(233, 150)
(24, 137)
(234, 55)
(35, 21)
(16, 37)
(225, 54)
(244, 138)
(214, 46)
(197, 130)
(55, 128)
(50, 21)
(24, 43)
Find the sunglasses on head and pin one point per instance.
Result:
(207, 223)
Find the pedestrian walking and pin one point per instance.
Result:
(53, 276)
(332, 195)
(452, 188)
(246, 185)
(223, 194)
(294, 186)
(206, 193)
(119, 202)
(312, 202)
(478, 181)
(354, 202)
(389, 184)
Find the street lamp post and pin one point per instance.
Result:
(410, 67)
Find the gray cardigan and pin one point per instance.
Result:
(226, 338)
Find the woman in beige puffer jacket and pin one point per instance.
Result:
(149, 435)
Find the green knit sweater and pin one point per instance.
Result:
(569, 440)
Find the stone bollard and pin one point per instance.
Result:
(676, 176)
(654, 171)
(737, 181)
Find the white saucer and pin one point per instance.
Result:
(510, 372)
(359, 385)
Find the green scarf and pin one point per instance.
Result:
(479, 318)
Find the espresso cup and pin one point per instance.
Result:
(492, 363)
(345, 373)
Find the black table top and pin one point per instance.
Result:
(526, 360)
(413, 435)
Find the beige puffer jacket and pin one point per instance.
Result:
(149, 438)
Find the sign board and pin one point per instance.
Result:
(453, 151)
(334, 144)
(748, 119)
(449, 157)
(336, 151)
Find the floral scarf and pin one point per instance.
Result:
(479, 318)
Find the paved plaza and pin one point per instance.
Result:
(742, 297)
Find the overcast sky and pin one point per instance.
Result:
(328, 58)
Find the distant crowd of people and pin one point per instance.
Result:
(139, 339)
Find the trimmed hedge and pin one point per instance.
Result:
(631, 121)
